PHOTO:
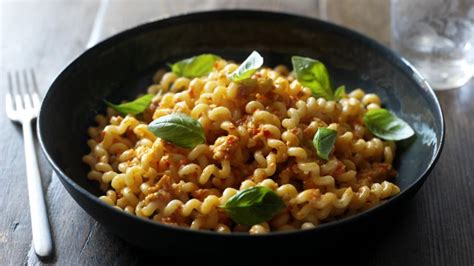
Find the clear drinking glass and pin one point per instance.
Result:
(437, 37)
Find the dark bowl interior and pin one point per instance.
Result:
(121, 67)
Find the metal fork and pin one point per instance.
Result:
(22, 104)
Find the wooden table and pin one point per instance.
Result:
(436, 228)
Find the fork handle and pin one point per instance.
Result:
(42, 241)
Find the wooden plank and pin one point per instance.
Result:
(35, 35)
(123, 14)
(370, 17)
(435, 228)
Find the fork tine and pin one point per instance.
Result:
(9, 104)
(27, 92)
(16, 89)
(33, 81)
(35, 91)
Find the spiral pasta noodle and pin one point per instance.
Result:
(258, 133)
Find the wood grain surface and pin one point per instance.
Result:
(44, 36)
(435, 228)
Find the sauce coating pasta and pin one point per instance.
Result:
(258, 133)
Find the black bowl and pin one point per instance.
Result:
(121, 66)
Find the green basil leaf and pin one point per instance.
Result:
(253, 206)
(248, 67)
(196, 66)
(314, 75)
(386, 125)
(179, 129)
(136, 107)
(340, 92)
(323, 141)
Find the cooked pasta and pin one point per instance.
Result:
(257, 133)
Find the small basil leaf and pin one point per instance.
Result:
(248, 67)
(314, 75)
(386, 125)
(136, 107)
(340, 92)
(196, 66)
(253, 206)
(324, 141)
(178, 129)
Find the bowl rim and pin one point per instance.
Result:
(401, 63)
